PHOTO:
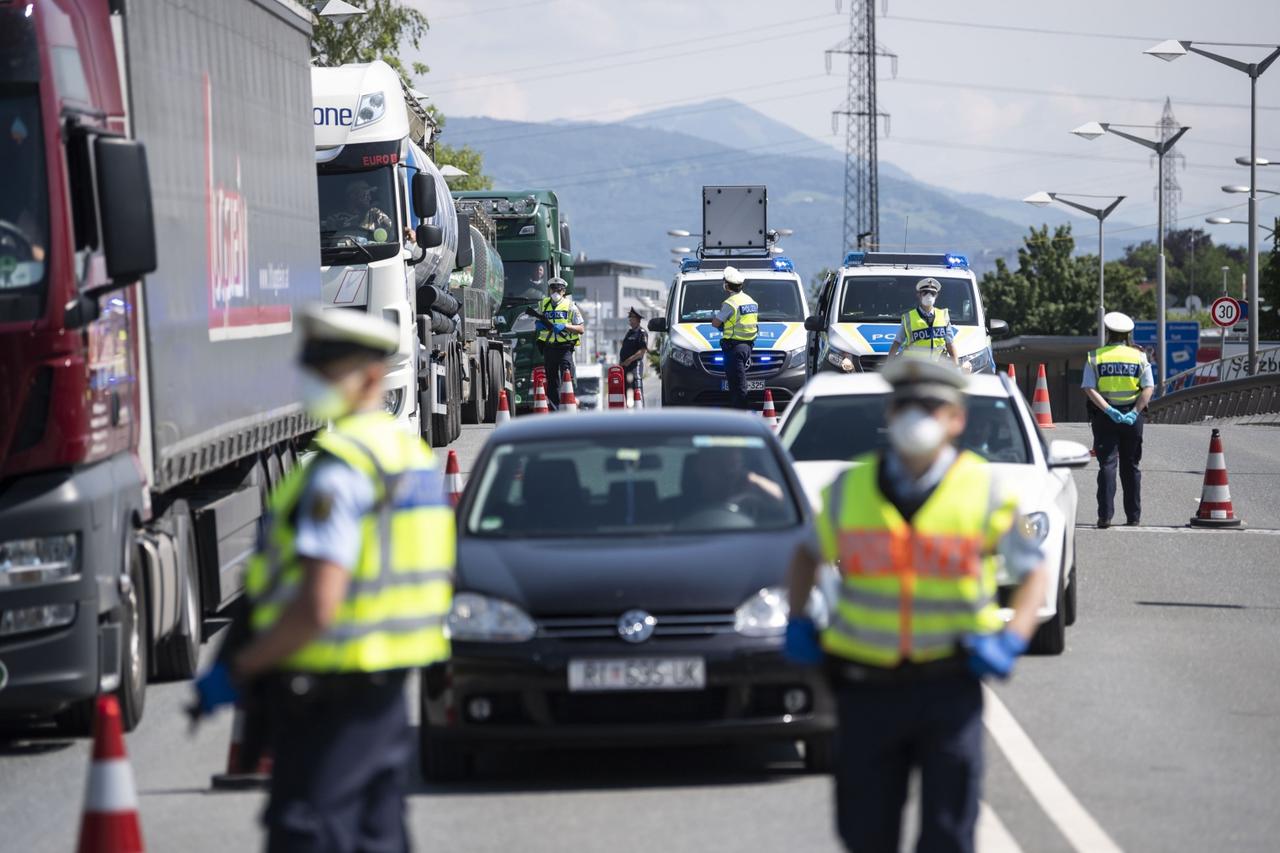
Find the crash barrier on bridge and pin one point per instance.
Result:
(617, 387)
(1223, 370)
(568, 400)
(540, 406)
(248, 761)
(1215, 498)
(110, 820)
(769, 412)
(1252, 396)
(504, 409)
(1040, 401)
(453, 479)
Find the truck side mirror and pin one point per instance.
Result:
(429, 236)
(424, 195)
(566, 243)
(997, 328)
(465, 255)
(814, 324)
(124, 201)
(658, 324)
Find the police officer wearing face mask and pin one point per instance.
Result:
(738, 320)
(559, 329)
(347, 594)
(926, 330)
(915, 531)
(1118, 382)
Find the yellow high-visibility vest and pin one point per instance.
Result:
(742, 323)
(558, 312)
(1118, 369)
(922, 336)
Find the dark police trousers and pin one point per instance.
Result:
(1114, 442)
(341, 768)
(737, 357)
(886, 730)
(556, 359)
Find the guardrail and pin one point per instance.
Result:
(1222, 370)
(1252, 397)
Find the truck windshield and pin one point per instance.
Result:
(778, 298)
(358, 217)
(885, 298)
(524, 281)
(24, 203)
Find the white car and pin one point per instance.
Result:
(586, 386)
(836, 418)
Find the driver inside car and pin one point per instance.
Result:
(720, 478)
(361, 213)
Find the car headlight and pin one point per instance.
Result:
(393, 400)
(1035, 526)
(29, 562)
(978, 362)
(371, 108)
(680, 355)
(796, 358)
(479, 619)
(765, 614)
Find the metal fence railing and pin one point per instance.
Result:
(1222, 370)
(1250, 399)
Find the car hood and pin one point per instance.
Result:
(876, 338)
(816, 475)
(579, 577)
(704, 337)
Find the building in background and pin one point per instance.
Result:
(605, 291)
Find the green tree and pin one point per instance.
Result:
(1269, 290)
(386, 27)
(1193, 264)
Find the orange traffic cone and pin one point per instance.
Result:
(540, 406)
(1215, 499)
(504, 409)
(248, 765)
(1012, 374)
(637, 397)
(770, 413)
(1040, 401)
(568, 401)
(110, 820)
(453, 479)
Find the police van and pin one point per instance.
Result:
(692, 363)
(860, 308)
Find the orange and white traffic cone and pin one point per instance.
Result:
(1040, 401)
(110, 820)
(770, 413)
(504, 409)
(1012, 373)
(540, 406)
(248, 765)
(637, 397)
(453, 479)
(1215, 498)
(568, 401)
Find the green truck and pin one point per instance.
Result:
(533, 241)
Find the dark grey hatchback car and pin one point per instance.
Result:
(620, 581)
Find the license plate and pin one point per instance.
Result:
(752, 385)
(638, 674)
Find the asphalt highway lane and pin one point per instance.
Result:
(1162, 720)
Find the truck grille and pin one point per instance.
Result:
(763, 362)
(606, 627)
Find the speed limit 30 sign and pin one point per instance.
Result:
(1226, 311)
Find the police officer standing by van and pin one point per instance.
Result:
(560, 327)
(737, 320)
(915, 532)
(1118, 382)
(634, 350)
(347, 594)
(926, 330)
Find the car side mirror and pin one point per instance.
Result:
(1064, 453)
(424, 195)
(429, 236)
(465, 255)
(124, 199)
(814, 324)
(997, 328)
(658, 324)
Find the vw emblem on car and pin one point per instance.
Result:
(636, 626)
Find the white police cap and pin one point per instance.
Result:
(732, 275)
(557, 283)
(331, 334)
(1121, 324)
(928, 284)
(924, 379)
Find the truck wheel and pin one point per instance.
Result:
(439, 423)
(135, 642)
(493, 373)
(455, 401)
(426, 422)
(178, 655)
(474, 406)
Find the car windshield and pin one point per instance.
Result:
(644, 483)
(524, 281)
(358, 217)
(842, 427)
(885, 298)
(587, 385)
(24, 203)
(778, 298)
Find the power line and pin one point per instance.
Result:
(1018, 90)
(487, 10)
(1010, 28)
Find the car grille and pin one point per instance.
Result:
(637, 707)
(871, 363)
(605, 627)
(764, 362)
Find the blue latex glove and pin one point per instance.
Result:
(801, 645)
(1130, 417)
(1115, 414)
(215, 689)
(994, 654)
(559, 327)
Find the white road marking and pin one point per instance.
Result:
(992, 836)
(1077, 825)
(1149, 528)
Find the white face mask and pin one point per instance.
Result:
(915, 433)
(323, 400)
(927, 300)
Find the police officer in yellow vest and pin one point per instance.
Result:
(926, 330)
(558, 335)
(1118, 382)
(737, 320)
(348, 593)
(915, 532)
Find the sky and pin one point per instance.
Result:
(984, 96)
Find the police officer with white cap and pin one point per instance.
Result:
(926, 330)
(348, 593)
(1118, 382)
(738, 321)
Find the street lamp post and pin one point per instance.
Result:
(1041, 199)
(1171, 50)
(1224, 220)
(1161, 147)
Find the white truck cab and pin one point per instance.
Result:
(860, 309)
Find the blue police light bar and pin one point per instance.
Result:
(950, 260)
(783, 264)
(854, 259)
(688, 264)
(957, 262)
